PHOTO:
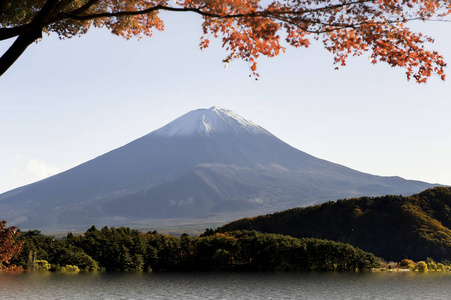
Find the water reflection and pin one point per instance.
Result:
(383, 285)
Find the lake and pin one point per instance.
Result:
(369, 285)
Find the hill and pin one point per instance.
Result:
(209, 164)
(392, 227)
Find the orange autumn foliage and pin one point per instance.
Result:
(248, 28)
(9, 247)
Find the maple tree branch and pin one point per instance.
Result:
(7, 33)
(272, 14)
(28, 33)
(45, 13)
(71, 15)
(323, 8)
(59, 7)
(17, 48)
(84, 8)
(76, 14)
(50, 5)
(313, 17)
(44, 17)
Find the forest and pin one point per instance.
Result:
(392, 227)
(345, 235)
(125, 249)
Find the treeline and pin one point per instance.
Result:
(421, 266)
(392, 227)
(125, 249)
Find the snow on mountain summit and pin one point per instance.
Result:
(206, 122)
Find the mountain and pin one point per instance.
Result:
(392, 227)
(209, 164)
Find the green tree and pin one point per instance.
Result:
(441, 267)
(432, 266)
(125, 249)
(42, 265)
(77, 257)
(422, 266)
(114, 248)
(165, 253)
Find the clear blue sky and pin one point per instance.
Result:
(66, 102)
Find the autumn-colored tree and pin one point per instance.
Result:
(9, 247)
(441, 267)
(422, 266)
(407, 264)
(248, 28)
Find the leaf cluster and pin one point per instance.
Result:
(9, 246)
(248, 28)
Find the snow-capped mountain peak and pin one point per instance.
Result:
(206, 122)
(205, 166)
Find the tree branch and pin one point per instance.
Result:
(46, 11)
(59, 7)
(84, 8)
(16, 49)
(75, 14)
(319, 17)
(7, 33)
(64, 15)
(44, 17)
(28, 33)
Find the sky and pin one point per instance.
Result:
(65, 102)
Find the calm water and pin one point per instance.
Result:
(399, 285)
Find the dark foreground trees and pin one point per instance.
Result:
(125, 249)
(248, 28)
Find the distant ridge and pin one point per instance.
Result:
(209, 164)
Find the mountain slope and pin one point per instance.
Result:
(207, 163)
(393, 227)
